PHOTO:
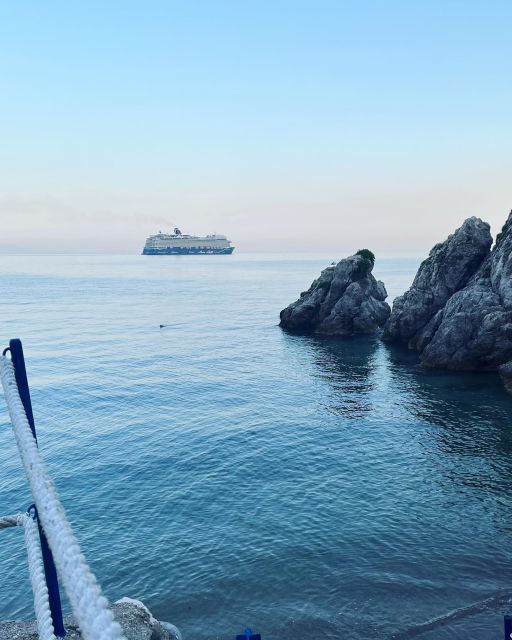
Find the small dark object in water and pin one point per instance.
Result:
(162, 326)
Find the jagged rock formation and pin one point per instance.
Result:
(133, 616)
(447, 269)
(346, 299)
(458, 312)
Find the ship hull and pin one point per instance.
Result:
(187, 251)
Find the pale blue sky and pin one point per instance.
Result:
(284, 124)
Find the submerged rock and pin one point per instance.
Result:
(506, 375)
(458, 312)
(133, 616)
(346, 299)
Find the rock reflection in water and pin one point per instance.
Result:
(466, 420)
(351, 367)
(420, 461)
(472, 410)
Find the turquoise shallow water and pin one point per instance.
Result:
(230, 474)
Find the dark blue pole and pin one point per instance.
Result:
(20, 372)
(52, 581)
(508, 627)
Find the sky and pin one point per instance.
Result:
(286, 125)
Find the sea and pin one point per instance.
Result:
(231, 475)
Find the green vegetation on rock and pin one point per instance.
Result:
(366, 264)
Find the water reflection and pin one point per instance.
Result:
(464, 424)
(472, 410)
(439, 474)
(349, 366)
(468, 414)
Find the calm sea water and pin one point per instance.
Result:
(229, 474)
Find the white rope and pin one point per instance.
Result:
(36, 572)
(38, 579)
(91, 610)
(8, 521)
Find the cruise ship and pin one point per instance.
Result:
(177, 243)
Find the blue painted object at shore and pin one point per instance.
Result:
(508, 627)
(20, 372)
(248, 635)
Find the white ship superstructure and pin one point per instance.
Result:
(178, 243)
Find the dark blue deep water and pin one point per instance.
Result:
(229, 474)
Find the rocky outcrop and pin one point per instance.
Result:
(346, 299)
(133, 616)
(458, 312)
(474, 330)
(447, 269)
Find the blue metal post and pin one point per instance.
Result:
(248, 635)
(508, 627)
(20, 372)
(52, 581)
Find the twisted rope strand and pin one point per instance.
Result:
(9, 521)
(38, 579)
(35, 570)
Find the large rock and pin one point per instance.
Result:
(474, 329)
(458, 312)
(133, 616)
(345, 300)
(447, 269)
